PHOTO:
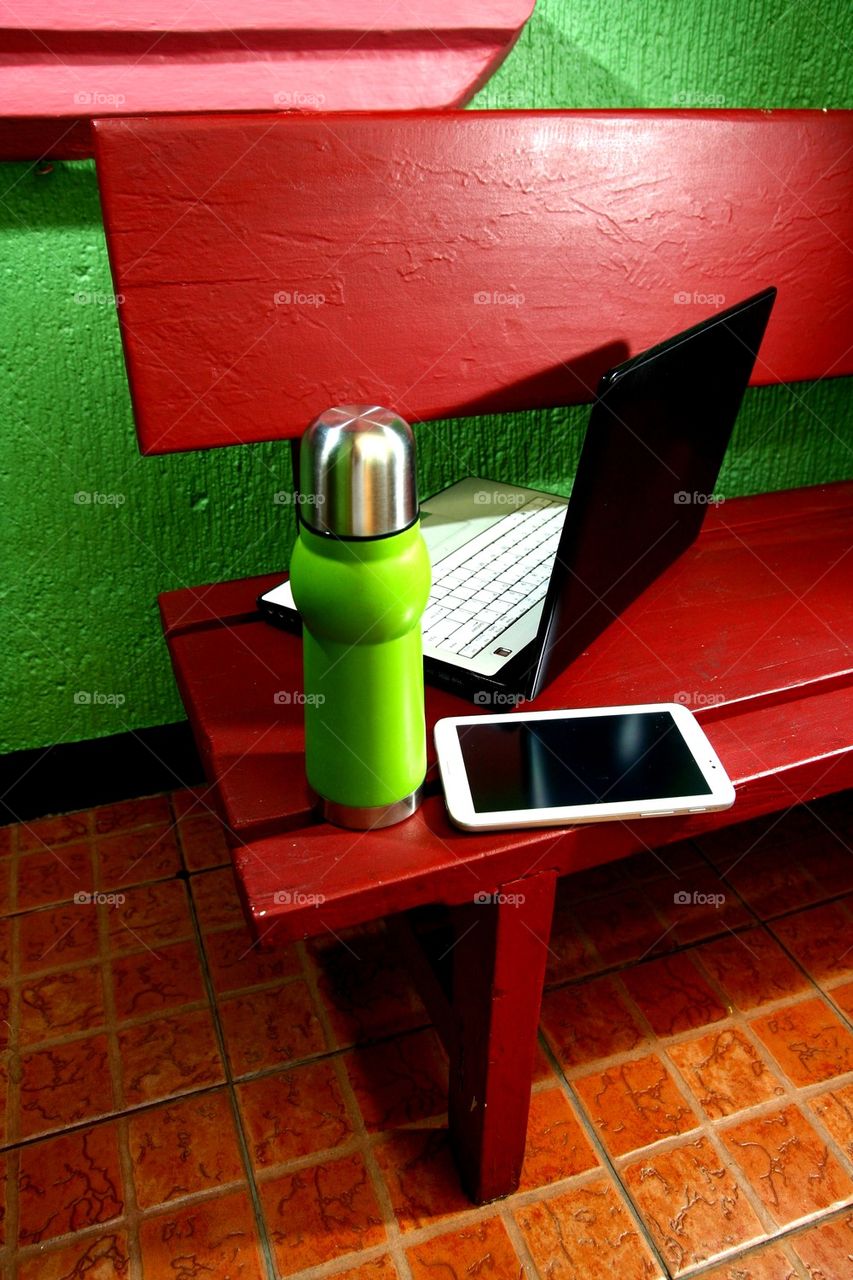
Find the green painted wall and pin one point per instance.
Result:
(81, 578)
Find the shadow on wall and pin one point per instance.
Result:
(564, 77)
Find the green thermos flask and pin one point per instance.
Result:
(360, 578)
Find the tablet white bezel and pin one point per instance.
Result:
(457, 791)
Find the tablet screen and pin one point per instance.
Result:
(556, 763)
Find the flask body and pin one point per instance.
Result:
(361, 601)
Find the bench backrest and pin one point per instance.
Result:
(450, 263)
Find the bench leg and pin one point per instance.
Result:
(498, 975)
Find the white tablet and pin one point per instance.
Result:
(545, 768)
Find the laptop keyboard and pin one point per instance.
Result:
(484, 586)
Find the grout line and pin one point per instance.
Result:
(519, 1244)
(393, 1231)
(266, 1249)
(130, 1217)
(606, 1162)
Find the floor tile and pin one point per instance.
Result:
(843, 997)
(151, 915)
(752, 969)
(835, 1110)
(378, 1269)
(673, 995)
(808, 1040)
(482, 1249)
(6, 958)
(788, 1165)
(270, 1028)
(570, 955)
(193, 801)
(635, 1104)
(399, 1082)
(421, 1177)
(58, 936)
(8, 874)
(8, 840)
(214, 1237)
(831, 865)
(588, 1021)
(821, 939)
(58, 1004)
(136, 857)
(557, 1146)
(668, 863)
(366, 991)
(586, 1232)
(183, 1147)
(827, 1249)
(320, 1213)
(216, 902)
(202, 838)
(623, 926)
(154, 981)
(69, 1183)
(771, 1263)
(169, 1056)
(129, 815)
(5, 1102)
(697, 905)
(236, 962)
(760, 859)
(67, 828)
(54, 875)
(725, 1072)
(692, 1204)
(64, 1085)
(293, 1113)
(104, 1256)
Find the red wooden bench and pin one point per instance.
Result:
(600, 220)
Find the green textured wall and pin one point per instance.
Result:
(81, 578)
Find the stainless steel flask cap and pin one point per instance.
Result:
(357, 473)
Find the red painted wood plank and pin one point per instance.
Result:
(66, 62)
(776, 762)
(499, 971)
(734, 620)
(448, 263)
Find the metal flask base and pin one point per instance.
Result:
(367, 818)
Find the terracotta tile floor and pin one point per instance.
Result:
(178, 1105)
